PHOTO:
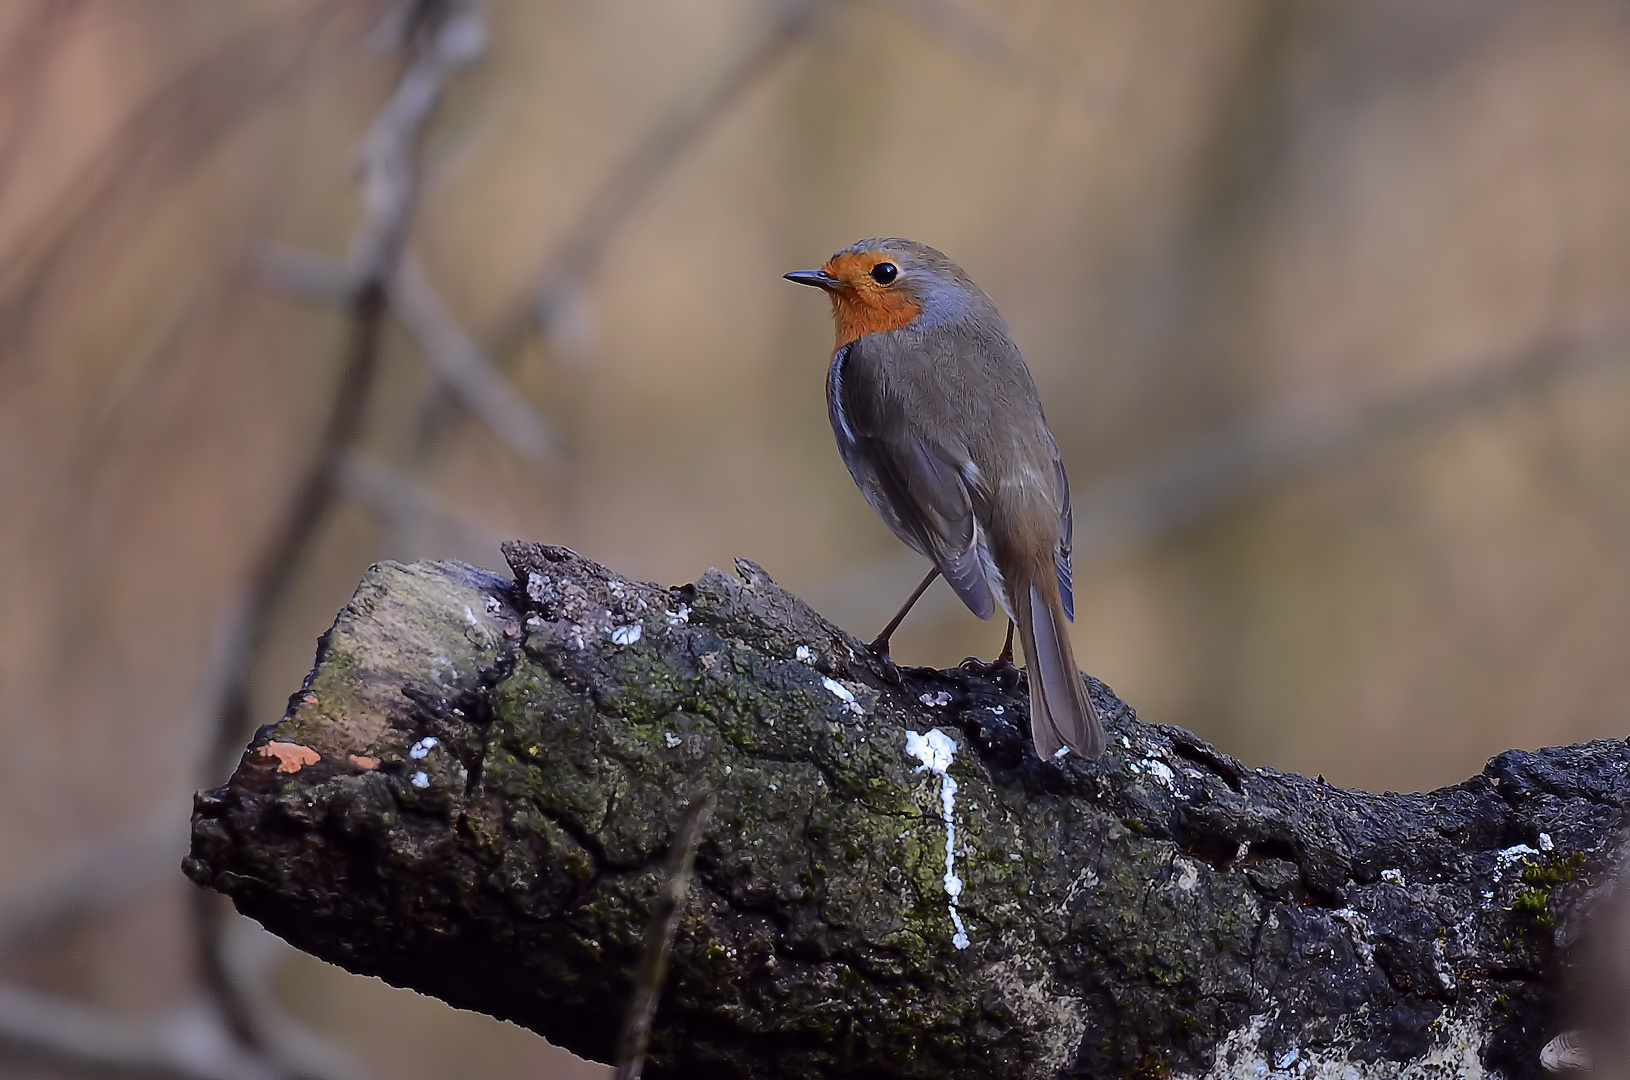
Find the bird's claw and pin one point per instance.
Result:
(880, 652)
(1002, 669)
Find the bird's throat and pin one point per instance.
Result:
(856, 314)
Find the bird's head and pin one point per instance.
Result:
(888, 283)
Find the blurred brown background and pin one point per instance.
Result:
(1327, 303)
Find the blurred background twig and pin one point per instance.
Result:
(436, 37)
(554, 294)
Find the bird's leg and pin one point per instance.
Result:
(1002, 667)
(880, 644)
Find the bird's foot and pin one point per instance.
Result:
(880, 652)
(1002, 669)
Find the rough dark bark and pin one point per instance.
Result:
(480, 778)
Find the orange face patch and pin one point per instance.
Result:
(862, 306)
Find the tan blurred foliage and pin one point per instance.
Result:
(1188, 213)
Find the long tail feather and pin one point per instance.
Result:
(1061, 712)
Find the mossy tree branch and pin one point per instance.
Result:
(475, 791)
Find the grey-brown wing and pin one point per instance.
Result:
(1066, 527)
(913, 485)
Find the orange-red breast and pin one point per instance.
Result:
(938, 419)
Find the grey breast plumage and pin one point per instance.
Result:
(911, 482)
(927, 487)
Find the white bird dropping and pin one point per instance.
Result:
(935, 750)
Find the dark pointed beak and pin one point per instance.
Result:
(818, 278)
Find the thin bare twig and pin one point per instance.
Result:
(312, 497)
(440, 35)
(310, 504)
(462, 368)
(576, 255)
(452, 353)
(408, 506)
(665, 910)
(446, 35)
(44, 1031)
(300, 275)
(167, 134)
(101, 875)
(977, 34)
(1306, 436)
(389, 191)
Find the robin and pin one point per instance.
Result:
(939, 422)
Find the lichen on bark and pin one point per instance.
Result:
(502, 764)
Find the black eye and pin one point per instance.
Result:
(883, 273)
